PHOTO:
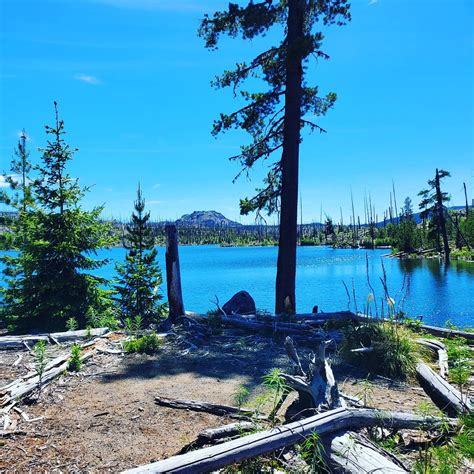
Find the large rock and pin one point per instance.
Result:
(240, 303)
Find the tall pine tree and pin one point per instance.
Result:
(48, 282)
(433, 207)
(274, 117)
(140, 276)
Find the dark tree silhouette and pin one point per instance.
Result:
(274, 118)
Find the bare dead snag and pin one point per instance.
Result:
(173, 275)
(317, 388)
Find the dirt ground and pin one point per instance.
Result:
(104, 419)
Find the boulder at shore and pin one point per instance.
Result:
(240, 303)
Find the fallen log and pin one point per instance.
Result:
(354, 454)
(226, 431)
(446, 397)
(26, 341)
(218, 435)
(444, 332)
(197, 405)
(24, 387)
(273, 327)
(264, 442)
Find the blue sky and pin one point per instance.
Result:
(133, 83)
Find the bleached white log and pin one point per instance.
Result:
(264, 442)
(24, 387)
(28, 340)
(352, 454)
(445, 396)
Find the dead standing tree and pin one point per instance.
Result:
(173, 275)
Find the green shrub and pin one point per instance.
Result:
(75, 362)
(394, 354)
(148, 344)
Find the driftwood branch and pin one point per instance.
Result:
(354, 454)
(24, 342)
(235, 451)
(20, 388)
(196, 405)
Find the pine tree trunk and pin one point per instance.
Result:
(441, 218)
(286, 267)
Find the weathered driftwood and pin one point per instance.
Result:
(232, 429)
(440, 349)
(197, 405)
(444, 332)
(248, 324)
(354, 454)
(28, 340)
(219, 435)
(433, 330)
(317, 388)
(173, 275)
(19, 388)
(235, 451)
(446, 397)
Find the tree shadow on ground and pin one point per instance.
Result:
(220, 358)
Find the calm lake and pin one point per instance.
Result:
(438, 292)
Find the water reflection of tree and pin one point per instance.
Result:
(437, 268)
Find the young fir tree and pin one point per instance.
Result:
(274, 117)
(140, 276)
(16, 226)
(48, 282)
(433, 207)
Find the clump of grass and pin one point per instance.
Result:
(394, 353)
(459, 357)
(453, 454)
(75, 362)
(148, 344)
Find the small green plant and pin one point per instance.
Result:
(148, 344)
(75, 362)
(39, 351)
(108, 320)
(275, 382)
(241, 395)
(366, 392)
(71, 324)
(88, 332)
(312, 451)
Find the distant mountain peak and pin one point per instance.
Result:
(206, 219)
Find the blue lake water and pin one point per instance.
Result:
(437, 292)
